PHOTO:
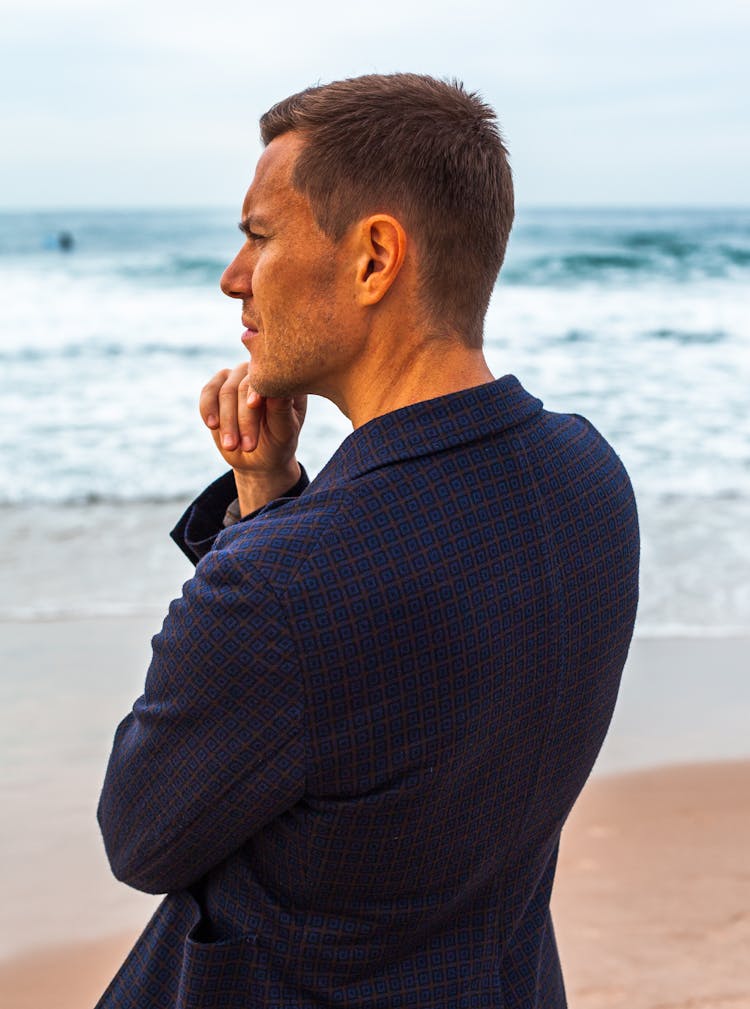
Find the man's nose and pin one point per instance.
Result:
(236, 281)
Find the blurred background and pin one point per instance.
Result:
(129, 138)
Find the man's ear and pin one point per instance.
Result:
(380, 256)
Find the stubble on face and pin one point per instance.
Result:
(299, 342)
(299, 287)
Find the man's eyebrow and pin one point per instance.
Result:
(249, 224)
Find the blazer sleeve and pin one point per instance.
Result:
(215, 747)
(197, 529)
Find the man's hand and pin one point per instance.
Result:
(257, 436)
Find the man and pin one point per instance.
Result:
(372, 709)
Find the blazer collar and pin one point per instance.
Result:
(430, 426)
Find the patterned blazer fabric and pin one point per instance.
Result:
(369, 714)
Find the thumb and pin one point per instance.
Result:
(281, 419)
(299, 406)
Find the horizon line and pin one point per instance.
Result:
(524, 206)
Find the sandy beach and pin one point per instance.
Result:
(652, 898)
(652, 902)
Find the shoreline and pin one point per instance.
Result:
(650, 903)
(695, 561)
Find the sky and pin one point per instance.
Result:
(156, 103)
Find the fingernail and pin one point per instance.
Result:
(211, 420)
(246, 444)
(227, 441)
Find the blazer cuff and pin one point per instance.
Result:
(203, 520)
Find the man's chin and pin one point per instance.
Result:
(272, 386)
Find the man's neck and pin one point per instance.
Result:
(434, 368)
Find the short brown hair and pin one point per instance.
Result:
(423, 149)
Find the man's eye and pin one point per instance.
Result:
(254, 236)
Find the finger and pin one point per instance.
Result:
(254, 399)
(249, 415)
(300, 409)
(228, 394)
(208, 404)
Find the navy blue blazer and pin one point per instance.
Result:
(369, 714)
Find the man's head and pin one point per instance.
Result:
(425, 151)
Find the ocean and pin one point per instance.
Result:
(637, 319)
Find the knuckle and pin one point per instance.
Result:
(213, 383)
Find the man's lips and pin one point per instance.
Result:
(248, 335)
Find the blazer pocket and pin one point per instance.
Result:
(219, 974)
